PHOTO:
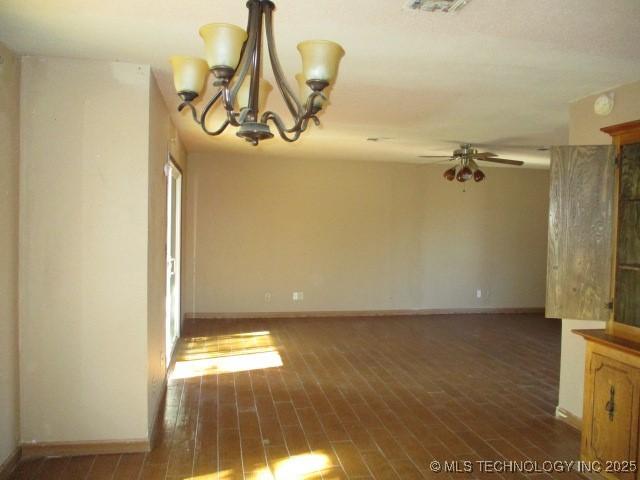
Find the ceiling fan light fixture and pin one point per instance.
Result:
(464, 174)
(466, 158)
(450, 174)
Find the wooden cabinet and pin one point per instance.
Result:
(611, 414)
(611, 402)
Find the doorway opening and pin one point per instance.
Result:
(174, 220)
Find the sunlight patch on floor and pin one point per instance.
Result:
(226, 364)
(307, 466)
(299, 467)
(225, 354)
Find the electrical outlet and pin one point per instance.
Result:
(298, 297)
(478, 293)
(267, 297)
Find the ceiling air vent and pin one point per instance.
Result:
(445, 6)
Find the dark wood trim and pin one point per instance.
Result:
(48, 449)
(620, 128)
(362, 313)
(10, 463)
(616, 342)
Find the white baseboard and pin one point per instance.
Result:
(568, 418)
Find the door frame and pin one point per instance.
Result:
(176, 315)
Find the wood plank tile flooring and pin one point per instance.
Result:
(349, 398)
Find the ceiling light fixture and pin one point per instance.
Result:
(234, 56)
(466, 167)
(465, 171)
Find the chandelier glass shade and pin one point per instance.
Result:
(234, 58)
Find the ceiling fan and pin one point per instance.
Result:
(467, 168)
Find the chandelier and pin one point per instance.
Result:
(234, 57)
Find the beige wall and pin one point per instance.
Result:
(584, 129)
(83, 250)
(360, 236)
(585, 125)
(572, 365)
(9, 166)
(162, 139)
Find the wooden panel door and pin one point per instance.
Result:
(580, 232)
(611, 412)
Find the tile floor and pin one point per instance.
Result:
(349, 398)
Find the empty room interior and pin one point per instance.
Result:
(278, 240)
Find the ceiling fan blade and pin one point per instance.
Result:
(484, 154)
(434, 156)
(435, 161)
(506, 161)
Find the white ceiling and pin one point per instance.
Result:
(499, 73)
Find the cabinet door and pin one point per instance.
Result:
(580, 231)
(611, 412)
(627, 288)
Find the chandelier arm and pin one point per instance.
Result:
(282, 129)
(205, 112)
(242, 116)
(302, 121)
(222, 128)
(255, 16)
(194, 113)
(232, 115)
(293, 104)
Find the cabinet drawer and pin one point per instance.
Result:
(611, 411)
